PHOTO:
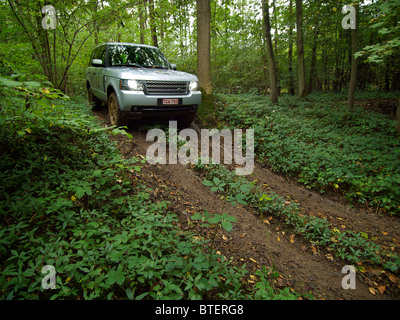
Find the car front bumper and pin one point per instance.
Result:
(137, 105)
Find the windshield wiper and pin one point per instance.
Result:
(155, 67)
(127, 65)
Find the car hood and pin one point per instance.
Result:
(149, 74)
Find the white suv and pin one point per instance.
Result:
(137, 81)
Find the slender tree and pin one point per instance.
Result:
(270, 53)
(142, 21)
(300, 49)
(203, 45)
(290, 50)
(153, 28)
(354, 62)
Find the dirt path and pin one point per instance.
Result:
(258, 243)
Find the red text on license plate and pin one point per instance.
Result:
(170, 101)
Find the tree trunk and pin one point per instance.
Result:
(300, 49)
(153, 28)
(265, 63)
(95, 27)
(142, 22)
(398, 116)
(290, 52)
(313, 61)
(354, 63)
(203, 45)
(270, 53)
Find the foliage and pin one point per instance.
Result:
(323, 145)
(238, 55)
(347, 245)
(388, 30)
(71, 24)
(265, 289)
(69, 199)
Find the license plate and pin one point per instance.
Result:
(170, 101)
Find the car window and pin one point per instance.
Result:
(122, 55)
(99, 53)
(103, 55)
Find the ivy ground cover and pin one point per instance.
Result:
(324, 145)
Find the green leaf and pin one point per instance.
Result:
(9, 83)
(215, 219)
(245, 188)
(116, 276)
(130, 293)
(141, 296)
(197, 216)
(227, 226)
(208, 183)
(216, 181)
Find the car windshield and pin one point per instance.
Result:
(128, 55)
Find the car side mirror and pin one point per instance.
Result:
(173, 66)
(97, 63)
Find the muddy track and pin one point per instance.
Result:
(257, 243)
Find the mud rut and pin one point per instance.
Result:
(258, 243)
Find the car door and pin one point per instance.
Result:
(97, 83)
(90, 70)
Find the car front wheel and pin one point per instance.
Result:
(185, 121)
(116, 117)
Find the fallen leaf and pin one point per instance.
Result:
(279, 282)
(385, 233)
(381, 289)
(224, 237)
(393, 278)
(362, 269)
(314, 250)
(321, 215)
(291, 239)
(329, 257)
(251, 259)
(277, 238)
(372, 290)
(266, 221)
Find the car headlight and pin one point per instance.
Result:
(194, 86)
(133, 85)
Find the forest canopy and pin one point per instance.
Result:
(238, 51)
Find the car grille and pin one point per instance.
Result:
(166, 87)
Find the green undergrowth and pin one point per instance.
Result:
(70, 201)
(348, 245)
(318, 141)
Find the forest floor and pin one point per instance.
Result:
(259, 241)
